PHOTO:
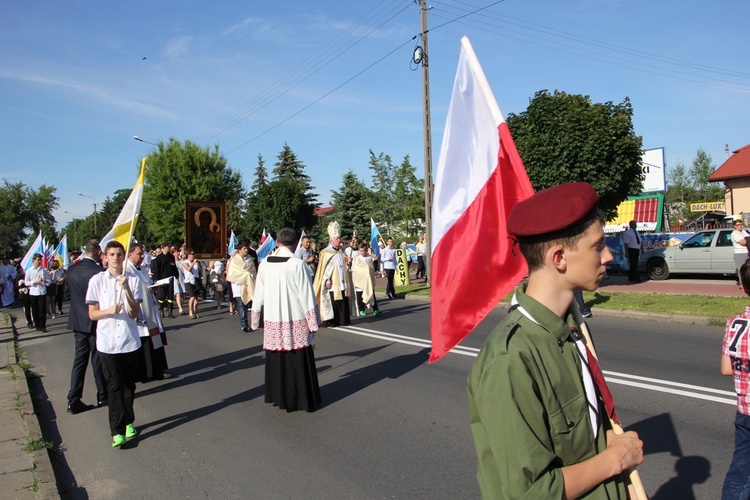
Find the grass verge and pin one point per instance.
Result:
(709, 306)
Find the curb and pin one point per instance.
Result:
(38, 482)
(617, 313)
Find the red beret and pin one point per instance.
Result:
(553, 209)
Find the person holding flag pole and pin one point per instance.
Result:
(542, 418)
(114, 298)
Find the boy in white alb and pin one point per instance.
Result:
(114, 298)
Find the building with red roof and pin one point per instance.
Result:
(735, 173)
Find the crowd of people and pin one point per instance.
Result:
(119, 298)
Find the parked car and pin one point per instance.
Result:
(705, 252)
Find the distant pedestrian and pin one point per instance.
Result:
(284, 292)
(388, 256)
(740, 247)
(36, 279)
(363, 279)
(633, 242)
(242, 269)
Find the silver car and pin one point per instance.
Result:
(705, 252)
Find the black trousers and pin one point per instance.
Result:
(119, 372)
(361, 304)
(26, 301)
(85, 348)
(341, 311)
(390, 290)
(39, 310)
(633, 258)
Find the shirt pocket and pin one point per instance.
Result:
(571, 430)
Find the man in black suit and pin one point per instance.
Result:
(164, 266)
(77, 280)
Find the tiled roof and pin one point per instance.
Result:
(737, 165)
(323, 211)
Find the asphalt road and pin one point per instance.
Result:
(392, 426)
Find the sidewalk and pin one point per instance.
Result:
(23, 474)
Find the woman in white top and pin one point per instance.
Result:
(192, 272)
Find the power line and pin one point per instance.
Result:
(321, 97)
(309, 67)
(586, 52)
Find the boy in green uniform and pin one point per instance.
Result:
(538, 413)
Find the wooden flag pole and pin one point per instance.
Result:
(635, 485)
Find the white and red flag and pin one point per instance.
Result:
(478, 179)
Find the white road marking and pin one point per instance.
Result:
(652, 384)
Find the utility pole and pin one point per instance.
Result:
(425, 60)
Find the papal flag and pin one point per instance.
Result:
(36, 247)
(124, 226)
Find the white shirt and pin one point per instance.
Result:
(737, 236)
(33, 275)
(629, 238)
(388, 256)
(192, 272)
(116, 333)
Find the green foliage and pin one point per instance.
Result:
(178, 172)
(289, 167)
(701, 170)
(409, 191)
(568, 138)
(353, 204)
(384, 172)
(23, 212)
(691, 186)
(261, 175)
(280, 203)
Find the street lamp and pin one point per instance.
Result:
(75, 229)
(87, 196)
(141, 140)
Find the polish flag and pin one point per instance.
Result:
(478, 180)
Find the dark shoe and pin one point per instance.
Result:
(166, 375)
(246, 329)
(77, 407)
(587, 314)
(101, 403)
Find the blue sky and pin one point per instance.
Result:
(333, 79)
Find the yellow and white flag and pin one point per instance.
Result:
(124, 226)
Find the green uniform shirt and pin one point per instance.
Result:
(528, 409)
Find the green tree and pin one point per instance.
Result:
(383, 175)
(409, 190)
(567, 138)
(25, 211)
(700, 171)
(289, 167)
(679, 194)
(353, 202)
(280, 203)
(177, 172)
(261, 175)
